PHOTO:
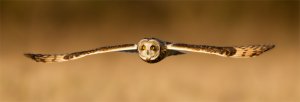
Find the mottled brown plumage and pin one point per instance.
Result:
(48, 58)
(251, 50)
(153, 50)
(238, 52)
(228, 51)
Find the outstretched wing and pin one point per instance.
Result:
(236, 52)
(46, 58)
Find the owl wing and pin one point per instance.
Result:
(235, 52)
(48, 58)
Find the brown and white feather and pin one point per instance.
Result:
(251, 50)
(48, 58)
(235, 52)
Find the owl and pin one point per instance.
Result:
(153, 50)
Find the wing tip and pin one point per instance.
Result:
(272, 46)
(268, 47)
(35, 57)
(29, 55)
(253, 50)
(264, 48)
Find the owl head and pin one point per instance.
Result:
(149, 49)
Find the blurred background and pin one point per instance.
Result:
(65, 26)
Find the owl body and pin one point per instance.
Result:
(153, 50)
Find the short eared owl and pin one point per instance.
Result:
(153, 50)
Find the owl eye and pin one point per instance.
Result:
(152, 47)
(143, 47)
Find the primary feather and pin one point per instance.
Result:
(251, 50)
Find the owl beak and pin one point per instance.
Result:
(147, 52)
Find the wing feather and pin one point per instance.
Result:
(236, 52)
(251, 50)
(48, 58)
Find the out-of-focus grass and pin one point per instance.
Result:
(58, 27)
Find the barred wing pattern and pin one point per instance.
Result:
(235, 52)
(251, 50)
(48, 58)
